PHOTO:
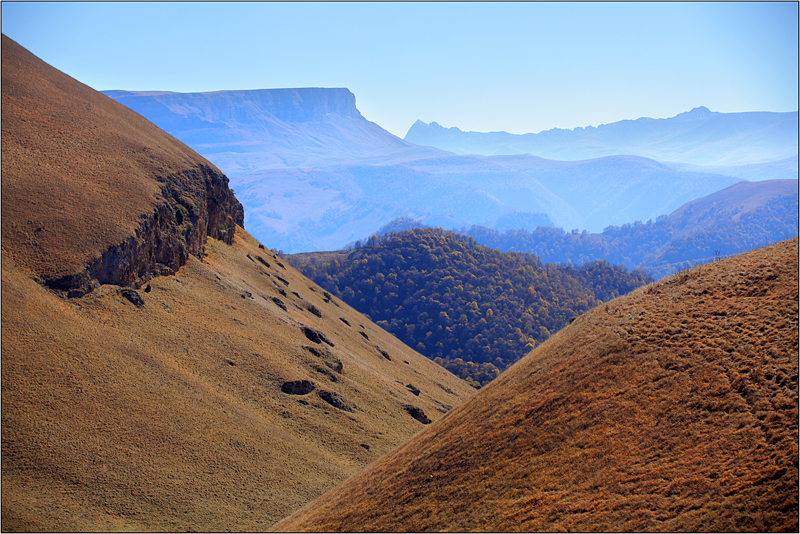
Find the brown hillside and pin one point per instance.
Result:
(94, 193)
(220, 397)
(674, 408)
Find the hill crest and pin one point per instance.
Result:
(673, 408)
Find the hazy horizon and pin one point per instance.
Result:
(484, 66)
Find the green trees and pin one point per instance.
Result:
(473, 309)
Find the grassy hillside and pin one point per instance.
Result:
(219, 393)
(674, 408)
(473, 309)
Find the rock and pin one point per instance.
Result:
(198, 204)
(298, 387)
(412, 389)
(364, 335)
(278, 302)
(316, 336)
(133, 296)
(326, 356)
(263, 261)
(417, 414)
(344, 321)
(335, 400)
(313, 309)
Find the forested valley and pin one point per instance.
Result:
(472, 309)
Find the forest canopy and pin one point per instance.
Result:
(470, 308)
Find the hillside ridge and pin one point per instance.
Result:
(673, 408)
(167, 200)
(699, 137)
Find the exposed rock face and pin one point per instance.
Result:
(198, 204)
(95, 194)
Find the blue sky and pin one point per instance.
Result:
(483, 66)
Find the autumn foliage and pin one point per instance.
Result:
(470, 308)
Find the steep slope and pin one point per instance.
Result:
(736, 219)
(92, 192)
(218, 393)
(243, 131)
(699, 137)
(674, 408)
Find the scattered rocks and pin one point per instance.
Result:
(133, 296)
(313, 309)
(280, 265)
(344, 321)
(278, 302)
(296, 294)
(147, 288)
(282, 279)
(326, 356)
(417, 414)
(316, 336)
(335, 400)
(412, 389)
(365, 446)
(298, 387)
(263, 261)
(384, 353)
(364, 335)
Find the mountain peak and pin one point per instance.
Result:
(697, 113)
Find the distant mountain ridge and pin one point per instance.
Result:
(302, 210)
(698, 137)
(242, 131)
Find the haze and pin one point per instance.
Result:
(515, 67)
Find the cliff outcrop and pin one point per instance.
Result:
(92, 192)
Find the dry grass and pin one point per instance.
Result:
(674, 408)
(170, 416)
(78, 168)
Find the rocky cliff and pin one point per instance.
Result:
(146, 201)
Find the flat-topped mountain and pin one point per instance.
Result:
(162, 370)
(673, 408)
(699, 137)
(242, 131)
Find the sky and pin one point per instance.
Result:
(480, 66)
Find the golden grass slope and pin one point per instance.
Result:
(79, 170)
(171, 415)
(674, 408)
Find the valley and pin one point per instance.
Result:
(469, 308)
(202, 332)
(673, 408)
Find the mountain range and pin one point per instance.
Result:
(736, 219)
(697, 137)
(244, 131)
(313, 174)
(164, 370)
